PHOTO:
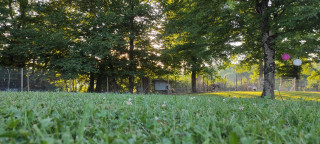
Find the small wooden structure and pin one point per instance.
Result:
(162, 86)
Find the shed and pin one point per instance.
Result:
(162, 86)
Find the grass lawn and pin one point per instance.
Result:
(48, 117)
(309, 96)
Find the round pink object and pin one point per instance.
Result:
(285, 56)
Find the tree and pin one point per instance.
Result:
(278, 20)
(137, 19)
(197, 32)
(16, 33)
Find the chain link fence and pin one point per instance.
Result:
(282, 84)
(22, 79)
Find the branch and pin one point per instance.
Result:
(258, 7)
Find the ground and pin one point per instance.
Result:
(224, 117)
(309, 96)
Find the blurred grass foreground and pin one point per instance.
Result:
(224, 117)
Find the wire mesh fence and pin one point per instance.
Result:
(26, 79)
(282, 84)
(22, 79)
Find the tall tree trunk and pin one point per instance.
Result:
(131, 52)
(268, 50)
(91, 84)
(131, 65)
(194, 81)
(113, 83)
(269, 68)
(261, 76)
(66, 84)
(99, 83)
(114, 86)
(100, 78)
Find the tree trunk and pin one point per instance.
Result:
(99, 83)
(91, 85)
(100, 78)
(194, 81)
(113, 82)
(261, 76)
(269, 66)
(66, 84)
(268, 50)
(131, 53)
(114, 86)
(131, 66)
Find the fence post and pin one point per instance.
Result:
(168, 84)
(9, 79)
(280, 83)
(294, 84)
(70, 86)
(236, 83)
(21, 79)
(107, 84)
(28, 81)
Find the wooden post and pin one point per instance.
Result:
(28, 82)
(236, 82)
(175, 82)
(204, 88)
(21, 79)
(294, 84)
(207, 85)
(107, 84)
(168, 84)
(73, 87)
(241, 83)
(9, 79)
(225, 83)
(280, 83)
(70, 90)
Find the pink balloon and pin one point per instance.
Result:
(285, 56)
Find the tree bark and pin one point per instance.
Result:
(261, 76)
(131, 48)
(100, 78)
(114, 86)
(269, 67)
(99, 83)
(268, 50)
(131, 66)
(91, 85)
(194, 81)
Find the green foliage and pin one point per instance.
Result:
(124, 118)
(290, 70)
(195, 36)
(79, 38)
(195, 33)
(293, 23)
(312, 72)
(115, 38)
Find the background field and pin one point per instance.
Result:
(310, 96)
(125, 118)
